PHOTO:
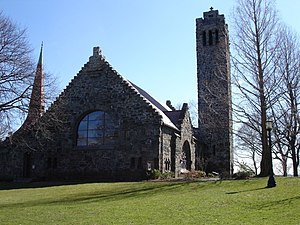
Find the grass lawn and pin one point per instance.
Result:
(213, 202)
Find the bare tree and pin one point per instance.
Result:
(16, 72)
(255, 43)
(286, 108)
(280, 148)
(248, 146)
(37, 136)
(44, 130)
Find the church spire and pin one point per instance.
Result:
(37, 103)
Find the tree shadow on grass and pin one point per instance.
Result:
(100, 195)
(40, 184)
(281, 202)
(237, 192)
(45, 184)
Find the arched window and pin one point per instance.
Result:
(96, 128)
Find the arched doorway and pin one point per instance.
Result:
(186, 150)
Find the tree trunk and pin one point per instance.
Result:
(254, 163)
(284, 167)
(265, 159)
(295, 161)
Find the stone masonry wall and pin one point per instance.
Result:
(214, 91)
(99, 87)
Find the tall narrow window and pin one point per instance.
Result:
(54, 166)
(132, 163)
(217, 36)
(167, 164)
(96, 128)
(49, 163)
(204, 38)
(156, 163)
(210, 38)
(139, 164)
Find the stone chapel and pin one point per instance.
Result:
(103, 126)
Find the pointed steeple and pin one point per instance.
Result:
(40, 62)
(37, 102)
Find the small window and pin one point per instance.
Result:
(217, 36)
(167, 164)
(156, 163)
(54, 166)
(204, 38)
(49, 163)
(139, 164)
(132, 163)
(96, 128)
(210, 37)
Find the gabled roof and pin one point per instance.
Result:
(161, 109)
(97, 58)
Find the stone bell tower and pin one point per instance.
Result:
(214, 92)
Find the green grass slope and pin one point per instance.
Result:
(213, 202)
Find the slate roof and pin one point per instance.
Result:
(174, 116)
(161, 109)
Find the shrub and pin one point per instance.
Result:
(242, 175)
(167, 175)
(200, 174)
(245, 172)
(195, 174)
(210, 175)
(225, 175)
(155, 174)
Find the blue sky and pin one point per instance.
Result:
(151, 43)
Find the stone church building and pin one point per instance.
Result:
(103, 126)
